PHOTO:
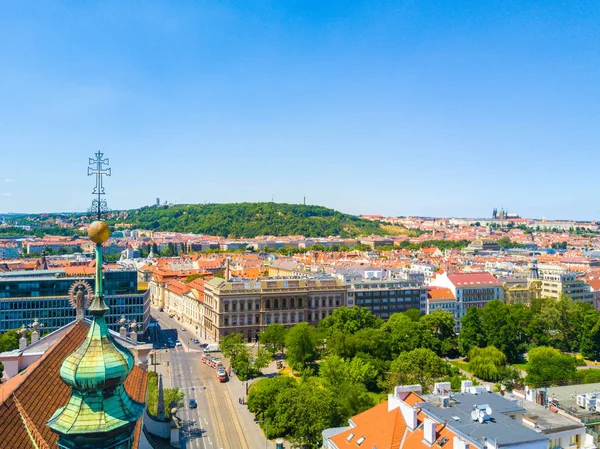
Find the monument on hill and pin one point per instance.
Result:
(100, 414)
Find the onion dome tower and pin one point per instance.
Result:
(100, 414)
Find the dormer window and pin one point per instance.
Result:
(349, 437)
(360, 441)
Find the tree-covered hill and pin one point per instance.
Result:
(251, 219)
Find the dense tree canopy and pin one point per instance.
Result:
(419, 366)
(273, 337)
(252, 219)
(547, 365)
(301, 342)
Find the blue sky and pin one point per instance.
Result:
(392, 107)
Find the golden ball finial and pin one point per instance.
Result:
(98, 232)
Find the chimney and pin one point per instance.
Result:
(227, 269)
(429, 433)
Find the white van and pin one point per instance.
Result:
(212, 348)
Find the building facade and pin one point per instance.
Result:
(385, 297)
(470, 289)
(555, 285)
(44, 294)
(247, 307)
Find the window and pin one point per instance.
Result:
(234, 307)
(299, 302)
(292, 303)
(360, 441)
(241, 306)
(268, 304)
(226, 321)
(276, 303)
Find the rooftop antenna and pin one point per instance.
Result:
(98, 166)
(305, 200)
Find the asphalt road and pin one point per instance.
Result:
(214, 424)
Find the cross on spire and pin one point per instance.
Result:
(99, 166)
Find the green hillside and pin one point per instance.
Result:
(252, 219)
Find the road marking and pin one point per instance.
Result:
(206, 421)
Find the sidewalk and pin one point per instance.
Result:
(253, 432)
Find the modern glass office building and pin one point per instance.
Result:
(44, 294)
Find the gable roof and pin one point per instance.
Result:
(40, 391)
(379, 427)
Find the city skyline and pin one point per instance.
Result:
(458, 108)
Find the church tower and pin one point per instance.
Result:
(100, 414)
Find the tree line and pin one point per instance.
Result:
(251, 219)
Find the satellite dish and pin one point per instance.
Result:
(474, 415)
(488, 410)
(481, 414)
(480, 419)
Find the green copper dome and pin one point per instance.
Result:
(98, 363)
(100, 414)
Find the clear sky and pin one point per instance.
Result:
(442, 108)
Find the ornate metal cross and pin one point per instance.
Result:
(99, 167)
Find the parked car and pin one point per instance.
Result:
(211, 348)
(177, 343)
(193, 403)
(161, 310)
(183, 329)
(196, 340)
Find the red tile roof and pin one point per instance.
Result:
(473, 279)
(439, 294)
(378, 426)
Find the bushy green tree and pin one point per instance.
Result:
(441, 324)
(264, 393)
(500, 329)
(297, 411)
(487, 363)
(547, 365)
(406, 334)
(273, 337)
(590, 338)
(419, 366)
(471, 332)
(301, 343)
(349, 320)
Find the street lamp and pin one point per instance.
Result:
(266, 426)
